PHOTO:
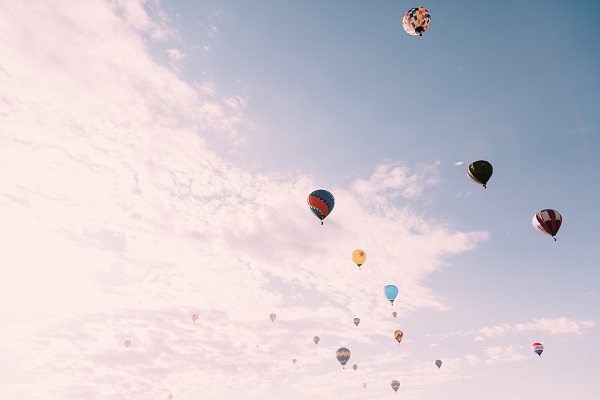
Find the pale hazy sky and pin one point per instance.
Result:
(156, 156)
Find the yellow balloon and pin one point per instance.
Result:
(359, 257)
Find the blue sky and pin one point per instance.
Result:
(155, 159)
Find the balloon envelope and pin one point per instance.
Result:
(321, 203)
(354, 367)
(343, 355)
(294, 361)
(395, 385)
(272, 316)
(399, 335)
(127, 343)
(537, 348)
(391, 292)
(547, 221)
(356, 321)
(194, 317)
(480, 172)
(364, 385)
(170, 396)
(316, 340)
(438, 363)
(416, 21)
(359, 257)
(394, 314)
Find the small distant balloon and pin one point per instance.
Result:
(343, 355)
(395, 385)
(394, 314)
(355, 367)
(365, 385)
(399, 335)
(356, 321)
(359, 257)
(272, 316)
(127, 343)
(438, 363)
(537, 348)
(294, 361)
(480, 172)
(170, 396)
(390, 292)
(316, 340)
(194, 317)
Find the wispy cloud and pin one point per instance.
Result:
(392, 180)
(503, 354)
(175, 54)
(550, 326)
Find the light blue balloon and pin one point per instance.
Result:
(391, 292)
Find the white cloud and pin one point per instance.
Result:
(551, 326)
(393, 180)
(503, 354)
(175, 55)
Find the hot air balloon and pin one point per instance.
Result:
(547, 221)
(294, 361)
(356, 321)
(365, 385)
(170, 396)
(194, 317)
(343, 355)
(394, 314)
(316, 340)
(391, 292)
(273, 316)
(127, 343)
(321, 203)
(416, 21)
(395, 385)
(480, 172)
(359, 257)
(355, 367)
(399, 335)
(537, 348)
(438, 363)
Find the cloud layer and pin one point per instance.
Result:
(119, 222)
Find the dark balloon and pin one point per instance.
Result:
(480, 171)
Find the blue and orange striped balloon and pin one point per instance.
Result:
(343, 355)
(395, 385)
(321, 203)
